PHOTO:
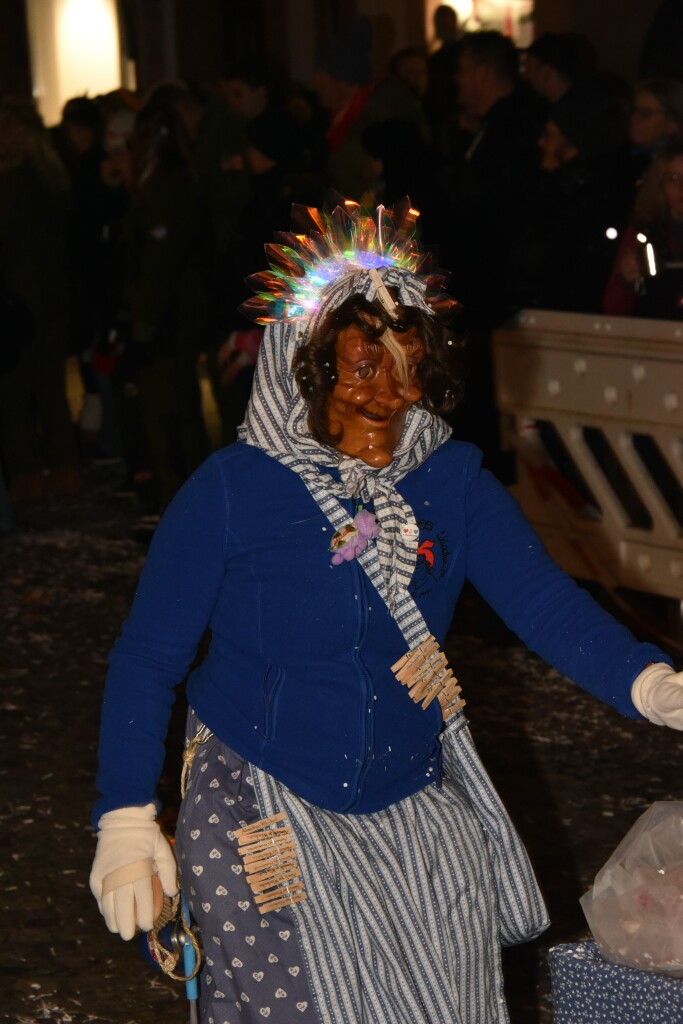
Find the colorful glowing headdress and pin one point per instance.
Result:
(325, 247)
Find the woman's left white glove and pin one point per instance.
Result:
(658, 694)
(131, 849)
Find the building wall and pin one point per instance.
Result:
(200, 38)
(615, 27)
(174, 37)
(297, 29)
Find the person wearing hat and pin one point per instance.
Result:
(344, 82)
(554, 62)
(340, 845)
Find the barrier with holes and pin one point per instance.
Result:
(593, 408)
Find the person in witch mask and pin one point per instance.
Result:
(342, 850)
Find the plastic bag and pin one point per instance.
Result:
(635, 908)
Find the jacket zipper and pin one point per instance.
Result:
(271, 688)
(367, 725)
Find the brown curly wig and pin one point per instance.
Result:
(315, 363)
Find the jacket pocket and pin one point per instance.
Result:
(272, 682)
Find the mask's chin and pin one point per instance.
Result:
(376, 456)
(371, 437)
(373, 455)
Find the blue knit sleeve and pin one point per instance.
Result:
(510, 567)
(177, 591)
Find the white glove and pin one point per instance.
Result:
(658, 694)
(130, 850)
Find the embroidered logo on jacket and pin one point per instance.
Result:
(432, 559)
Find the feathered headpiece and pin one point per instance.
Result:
(324, 247)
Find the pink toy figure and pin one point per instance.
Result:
(353, 538)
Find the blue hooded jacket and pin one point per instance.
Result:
(297, 678)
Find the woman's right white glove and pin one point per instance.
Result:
(130, 850)
(658, 694)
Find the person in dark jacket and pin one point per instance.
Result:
(492, 188)
(78, 138)
(36, 433)
(441, 99)
(563, 255)
(165, 292)
(496, 181)
(339, 842)
(234, 344)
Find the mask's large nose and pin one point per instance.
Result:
(389, 389)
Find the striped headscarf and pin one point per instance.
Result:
(277, 423)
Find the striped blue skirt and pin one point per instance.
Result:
(400, 923)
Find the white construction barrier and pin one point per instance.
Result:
(593, 408)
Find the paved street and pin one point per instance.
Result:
(574, 774)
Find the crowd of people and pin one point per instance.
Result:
(127, 231)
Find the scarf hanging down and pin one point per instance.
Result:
(277, 423)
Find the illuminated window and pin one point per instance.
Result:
(513, 17)
(75, 50)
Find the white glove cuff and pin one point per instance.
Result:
(125, 817)
(645, 686)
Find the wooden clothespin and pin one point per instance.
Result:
(425, 671)
(268, 850)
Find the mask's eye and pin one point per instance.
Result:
(364, 372)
